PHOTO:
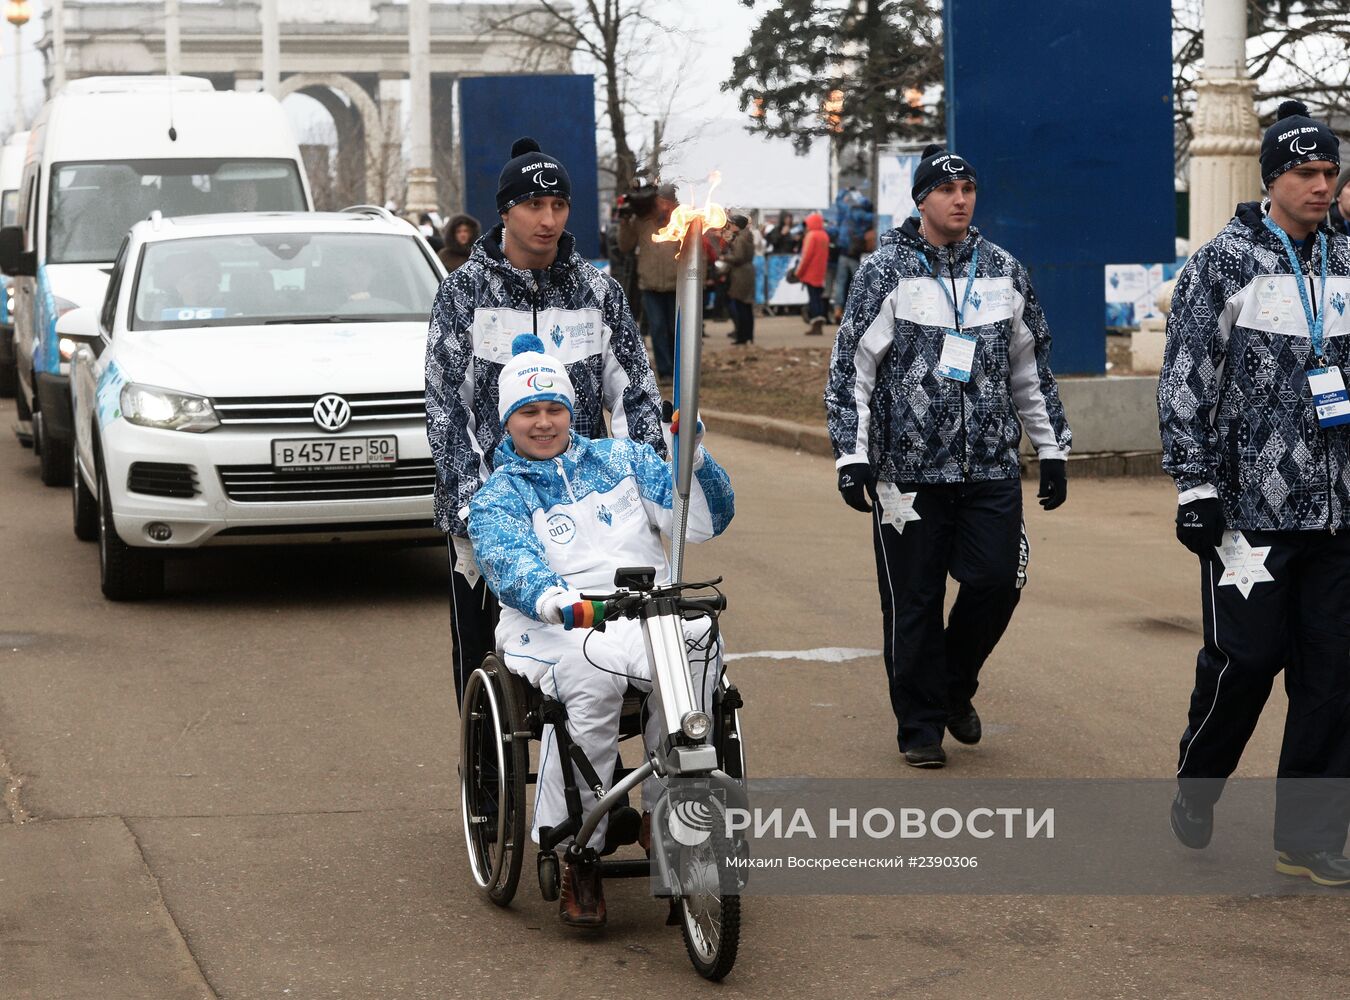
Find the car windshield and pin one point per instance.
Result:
(9, 208)
(267, 278)
(92, 205)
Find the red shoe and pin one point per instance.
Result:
(582, 900)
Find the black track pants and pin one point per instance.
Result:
(972, 531)
(473, 623)
(1299, 623)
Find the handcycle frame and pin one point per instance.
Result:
(699, 758)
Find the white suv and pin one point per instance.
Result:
(252, 379)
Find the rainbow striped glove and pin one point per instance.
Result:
(583, 614)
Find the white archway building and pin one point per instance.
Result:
(350, 55)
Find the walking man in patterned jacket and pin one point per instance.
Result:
(524, 276)
(1253, 412)
(942, 359)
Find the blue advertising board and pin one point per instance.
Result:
(495, 111)
(1065, 110)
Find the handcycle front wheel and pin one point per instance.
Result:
(493, 766)
(709, 903)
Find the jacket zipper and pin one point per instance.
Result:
(567, 483)
(956, 323)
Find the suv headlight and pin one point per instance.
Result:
(147, 406)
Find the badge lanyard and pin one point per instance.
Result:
(1315, 323)
(958, 311)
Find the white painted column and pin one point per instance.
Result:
(173, 64)
(421, 181)
(1226, 144)
(271, 47)
(386, 149)
(58, 45)
(20, 121)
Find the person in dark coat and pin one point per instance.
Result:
(741, 279)
(459, 236)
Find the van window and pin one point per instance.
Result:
(92, 205)
(9, 208)
(262, 278)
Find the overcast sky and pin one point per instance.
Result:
(755, 172)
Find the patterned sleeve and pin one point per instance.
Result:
(451, 425)
(865, 337)
(1188, 386)
(712, 504)
(510, 555)
(630, 392)
(1034, 390)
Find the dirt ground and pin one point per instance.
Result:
(783, 382)
(783, 373)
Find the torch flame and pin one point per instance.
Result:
(714, 216)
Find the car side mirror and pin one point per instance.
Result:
(79, 325)
(14, 261)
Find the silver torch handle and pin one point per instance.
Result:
(688, 349)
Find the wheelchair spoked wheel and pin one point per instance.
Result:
(709, 904)
(493, 766)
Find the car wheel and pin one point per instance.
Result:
(125, 573)
(84, 507)
(54, 457)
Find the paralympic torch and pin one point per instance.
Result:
(686, 226)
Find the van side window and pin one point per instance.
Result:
(109, 311)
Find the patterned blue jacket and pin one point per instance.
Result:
(1234, 407)
(540, 528)
(583, 319)
(885, 401)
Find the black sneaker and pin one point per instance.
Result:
(932, 756)
(1192, 821)
(1323, 867)
(965, 727)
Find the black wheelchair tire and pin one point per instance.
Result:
(491, 718)
(712, 950)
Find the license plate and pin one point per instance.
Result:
(335, 453)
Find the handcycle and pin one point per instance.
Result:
(700, 762)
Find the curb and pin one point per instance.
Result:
(816, 441)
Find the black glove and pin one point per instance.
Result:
(855, 483)
(1054, 483)
(1200, 525)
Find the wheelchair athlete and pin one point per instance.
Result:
(557, 517)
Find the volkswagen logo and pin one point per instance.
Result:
(332, 412)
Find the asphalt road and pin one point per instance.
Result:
(247, 789)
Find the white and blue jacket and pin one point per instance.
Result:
(583, 319)
(1234, 408)
(544, 528)
(885, 402)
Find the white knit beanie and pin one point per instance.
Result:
(531, 376)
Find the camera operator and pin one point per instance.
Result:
(656, 267)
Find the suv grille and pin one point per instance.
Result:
(263, 484)
(162, 479)
(367, 407)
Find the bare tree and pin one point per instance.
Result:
(1295, 48)
(617, 39)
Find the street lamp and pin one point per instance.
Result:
(18, 14)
